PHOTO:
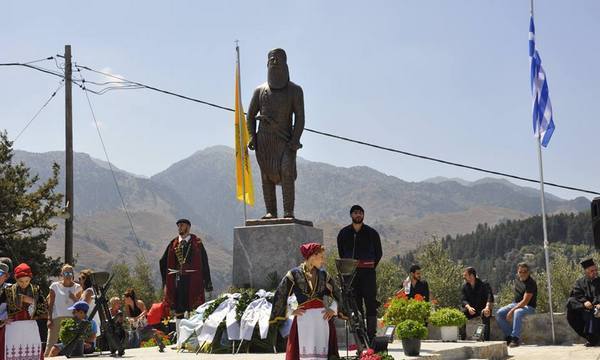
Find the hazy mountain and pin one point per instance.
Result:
(202, 188)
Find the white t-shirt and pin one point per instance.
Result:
(62, 301)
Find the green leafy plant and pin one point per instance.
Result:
(213, 306)
(71, 329)
(247, 296)
(411, 329)
(448, 317)
(400, 309)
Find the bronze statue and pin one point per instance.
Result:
(278, 136)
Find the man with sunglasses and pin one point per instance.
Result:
(510, 317)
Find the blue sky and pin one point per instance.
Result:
(440, 78)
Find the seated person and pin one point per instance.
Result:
(115, 305)
(83, 333)
(413, 284)
(477, 301)
(583, 304)
(510, 317)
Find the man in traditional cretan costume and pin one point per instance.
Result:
(185, 272)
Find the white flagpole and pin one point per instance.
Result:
(240, 129)
(544, 225)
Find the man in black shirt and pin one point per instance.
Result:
(477, 301)
(414, 285)
(360, 241)
(510, 317)
(584, 304)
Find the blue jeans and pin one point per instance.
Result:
(513, 329)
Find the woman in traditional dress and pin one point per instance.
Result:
(24, 303)
(312, 335)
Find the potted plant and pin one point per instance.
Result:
(411, 332)
(449, 320)
(400, 308)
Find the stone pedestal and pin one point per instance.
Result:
(262, 254)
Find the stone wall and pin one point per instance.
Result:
(536, 330)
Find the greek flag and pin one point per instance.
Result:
(543, 124)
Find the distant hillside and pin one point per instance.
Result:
(495, 250)
(201, 187)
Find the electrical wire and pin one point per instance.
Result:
(62, 83)
(359, 142)
(113, 174)
(132, 85)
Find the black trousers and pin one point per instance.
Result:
(585, 324)
(484, 319)
(365, 291)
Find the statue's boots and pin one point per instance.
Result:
(287, 190)
(270, 198)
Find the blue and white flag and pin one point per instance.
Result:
(543, 124)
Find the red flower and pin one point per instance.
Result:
(400, 294)
(419, 297)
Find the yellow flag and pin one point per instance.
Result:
(243, 174)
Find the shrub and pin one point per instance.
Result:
(448, 317)
(400, 309)
(443, 274)
(411, 329)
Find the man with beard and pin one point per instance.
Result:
(361, 242)
(185, 272)
(584, 303)
(278, 137)
(414, 284)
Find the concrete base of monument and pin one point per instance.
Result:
(262, 254)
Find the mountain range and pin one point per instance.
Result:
(201, 187)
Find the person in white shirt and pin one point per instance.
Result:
(63, 294)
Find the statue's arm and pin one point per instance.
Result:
(298, 117)
(251, 118)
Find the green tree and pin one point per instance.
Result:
(26, 208)
(121, 281)
(442, 273)
(139, 279)
(389, 281)
(143, 282)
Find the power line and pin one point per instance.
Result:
(62, 83)
(343, 138)
(138, 85)
(113, 173)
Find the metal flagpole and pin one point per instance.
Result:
(539, 141)
(544, 225)
(241, 128)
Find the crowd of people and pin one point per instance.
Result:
(67, 306)
(186, 277)
(315, 291)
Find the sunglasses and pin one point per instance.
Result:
(68, 273)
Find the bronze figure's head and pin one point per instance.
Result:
(278, 73)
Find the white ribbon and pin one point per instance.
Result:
(187, 327)
(209, 329)
(258, 311)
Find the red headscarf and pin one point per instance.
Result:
(23, 270)
(310, 249)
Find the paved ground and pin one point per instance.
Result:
(532, 352)
(429, 349)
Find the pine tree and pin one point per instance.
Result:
(26, 208)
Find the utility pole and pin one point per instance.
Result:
(69, 156)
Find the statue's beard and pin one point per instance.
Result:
(278, 76)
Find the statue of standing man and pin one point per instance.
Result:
(278, 137)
